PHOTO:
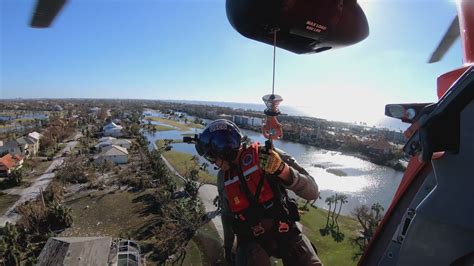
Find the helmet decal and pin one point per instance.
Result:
(217, 126)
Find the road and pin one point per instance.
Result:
(41, 183)
(207, 193)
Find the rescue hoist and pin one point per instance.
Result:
(271, 128)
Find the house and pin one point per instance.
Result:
(90, 251)
(76, 251)
(57, 107)
(27, 146)
(94, 110)
(35, 136)
(380, 147)
(106, 139)
(124, 143)
(113, 153)
(9, 162)
(11, 147)
(113, 130)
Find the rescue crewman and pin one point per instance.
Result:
(256, 210)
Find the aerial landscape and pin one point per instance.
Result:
(236, 132)
(89, 168)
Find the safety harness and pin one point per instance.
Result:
(253, 196)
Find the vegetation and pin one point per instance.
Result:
(176, 124)
(39, 220)
(330, 251)
(15, 178)
(332, 225)
(55, 133)
(73, 170)
(10, 245)
(185, 162)
(369, 220)
(177, 219)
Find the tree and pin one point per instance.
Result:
(329, 201)
(16, 176)
(335, 200)
(72, 171)
(59, 216)
(342, 200)
(9, 246)
(369, 220)
(333, 226)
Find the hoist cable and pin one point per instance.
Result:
(274, 57)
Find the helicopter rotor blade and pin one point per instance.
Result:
(45, 12)
(448, 39)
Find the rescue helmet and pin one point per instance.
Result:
(221, 139)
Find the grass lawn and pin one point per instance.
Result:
(162, 128)
(182, 162)
(330, 251)
(123, 214)
(159, 143)
(37, 166)
(176, 124)
(108, 214)
(6, 201)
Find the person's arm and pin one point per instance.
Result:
(297, 179)
(226, 217)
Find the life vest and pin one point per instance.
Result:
(268, 202)
(252, 174)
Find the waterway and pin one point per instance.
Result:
(362, 181)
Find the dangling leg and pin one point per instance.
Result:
(251, 254)
(300, 252)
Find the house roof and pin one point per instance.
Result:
(35, 135)
(76, 251)
(121, 141)
(380, 145)
(25, 141)
(111, 126)
(9, 144)
(113, 141)
(8, 161)
(114, 150)
(105, 139)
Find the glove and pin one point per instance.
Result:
(271, 162)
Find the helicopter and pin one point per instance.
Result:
(429, 221)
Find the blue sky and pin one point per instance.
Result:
(187, 50)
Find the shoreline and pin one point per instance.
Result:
(396, 166)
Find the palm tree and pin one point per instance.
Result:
(335, 200)
(329, 201)
(342, 200)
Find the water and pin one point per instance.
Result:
(362, 181)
